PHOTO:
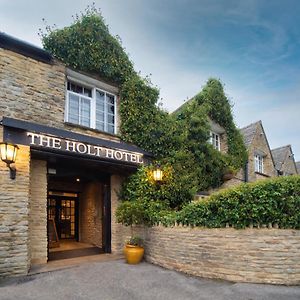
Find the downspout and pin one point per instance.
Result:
(246, 169)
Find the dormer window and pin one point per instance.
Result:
(90, 106)
(259, 163)
(215, 140)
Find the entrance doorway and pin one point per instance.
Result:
(78, 207)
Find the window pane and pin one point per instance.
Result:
(72, 87)
(110, 99)
(110, 128)
(111, 119)
(110, 109)
(85, 112)
(100, 116)
(99, 100)
(79, 89)
(99, 96)
(73, 109)
(100, 126)
(87, 92)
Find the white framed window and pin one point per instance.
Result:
(259, 163)
(90, 107)
(215, 140)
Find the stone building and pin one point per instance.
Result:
(70, 161)
(260, 163)
(284, 161)
(298, 167)
(217, 134)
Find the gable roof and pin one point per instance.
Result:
(249, 132)
(280, 154)
(298, 166)
(182, 106)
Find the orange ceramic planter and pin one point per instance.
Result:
(133, 254)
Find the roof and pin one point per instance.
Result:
(298, 166)
(248, 133)
(11, 43)
(280, 154)
(181, 107)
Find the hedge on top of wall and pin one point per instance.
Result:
(274, 201)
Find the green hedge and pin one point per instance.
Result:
(275, 201)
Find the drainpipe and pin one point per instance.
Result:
(246, 169)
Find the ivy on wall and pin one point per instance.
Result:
(179, 142)
(212, 102)
(88, 46)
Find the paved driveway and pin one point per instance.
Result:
(116, 280)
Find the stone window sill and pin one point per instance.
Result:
(115, 136)
(262, 174)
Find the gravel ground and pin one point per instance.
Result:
(117, 280)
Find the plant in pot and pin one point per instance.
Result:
(134, 250)
(131, 213)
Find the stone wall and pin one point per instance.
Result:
(119, 233)
(249, 255)
(289, 167)
(38, 212)
(90, 212)
(35, 91)
(14, 235)
(223, 143)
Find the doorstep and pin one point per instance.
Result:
(72, 262)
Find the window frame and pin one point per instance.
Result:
(259, 163)
(216, 143)
(92, 105)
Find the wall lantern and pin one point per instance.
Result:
(158, 174)
(8, 154)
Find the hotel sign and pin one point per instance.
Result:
(70, 146)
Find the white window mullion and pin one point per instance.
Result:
(67, 104)
(93, 109)
(105, 112)
(115, 115)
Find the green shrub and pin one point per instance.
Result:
(270, 201)
(275, 201)
(140, 212)
(173, 191)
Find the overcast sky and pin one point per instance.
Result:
(252, 46)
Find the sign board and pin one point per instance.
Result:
(53, 240)
(50, 139)
(51, 142)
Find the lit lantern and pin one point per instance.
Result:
(8, 154)
(158, 174)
